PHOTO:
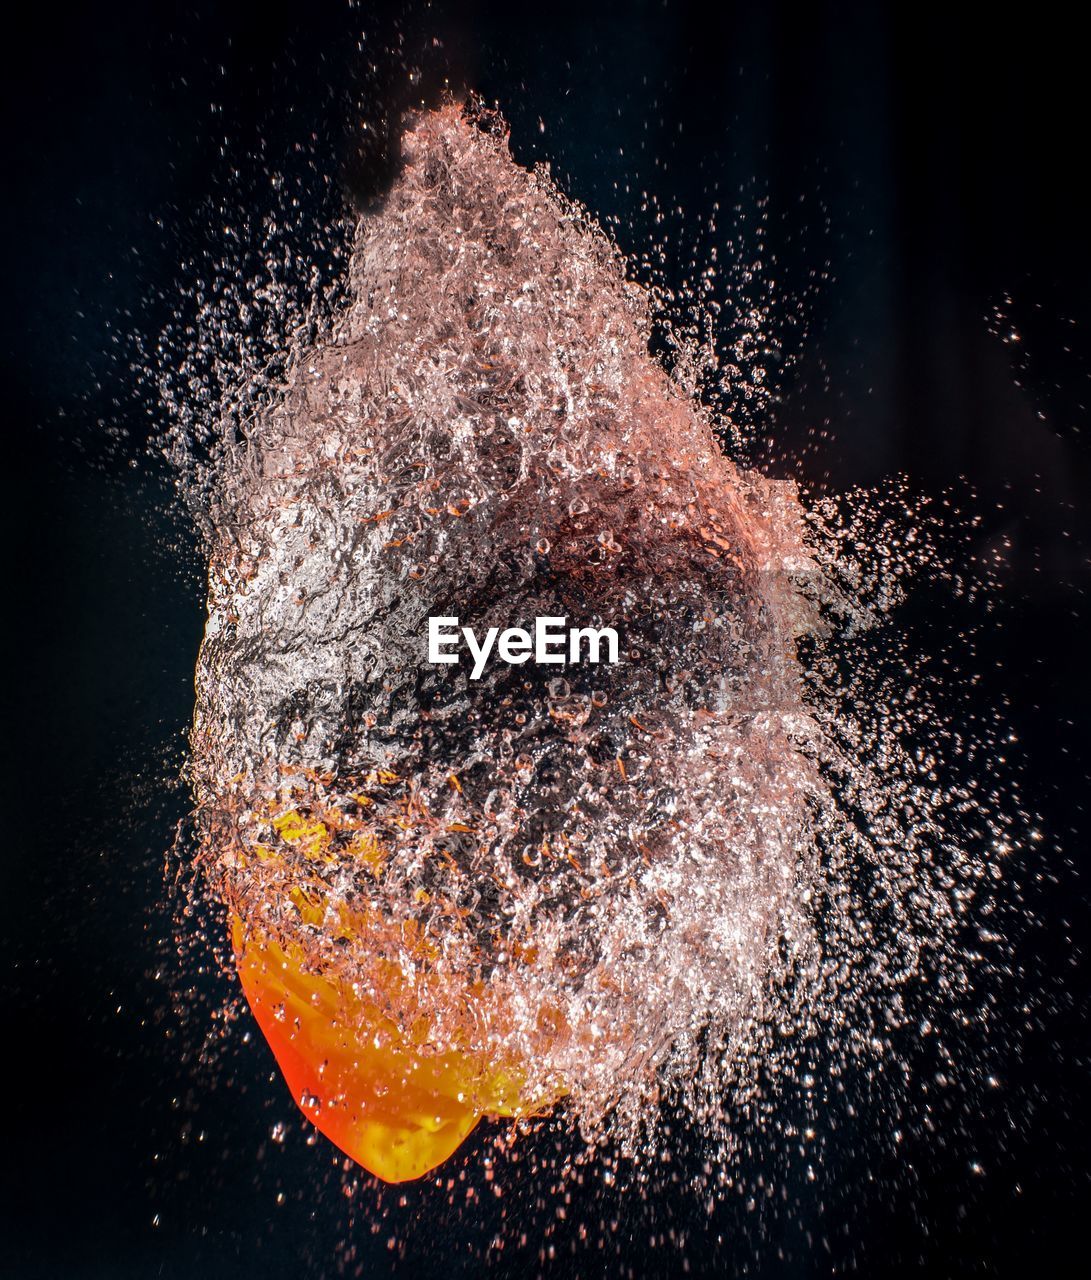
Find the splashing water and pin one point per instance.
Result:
(594, 888)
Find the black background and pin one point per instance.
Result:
(933, 161)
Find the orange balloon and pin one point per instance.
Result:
(364, 1083)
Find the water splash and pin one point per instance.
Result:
(653, 882)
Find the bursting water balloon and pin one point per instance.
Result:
(586, 886)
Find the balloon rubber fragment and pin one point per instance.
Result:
(385, 1102)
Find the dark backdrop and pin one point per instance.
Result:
(924, 168)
